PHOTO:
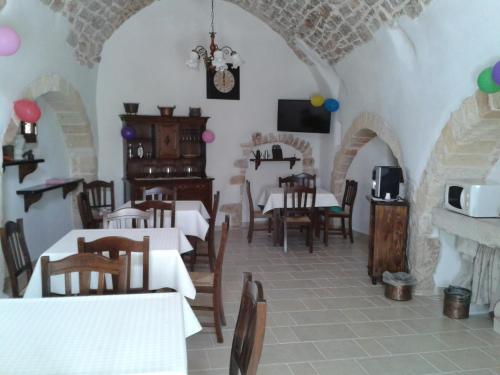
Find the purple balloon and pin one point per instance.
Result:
(128, 133)
(9, 41)
(208, 136)
(496, 73)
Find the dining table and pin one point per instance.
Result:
(272, 199)
(108, 334)
(190, 216)
(166, 268)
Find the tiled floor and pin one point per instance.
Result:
(325, 318)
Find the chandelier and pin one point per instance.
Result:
(216, 58)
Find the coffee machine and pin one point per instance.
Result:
(386, 180)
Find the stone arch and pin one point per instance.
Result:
(364, 128)
(468, 147)
(346, 23)
(304, 147)
(2, 3)
(72, 117)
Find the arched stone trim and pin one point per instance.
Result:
(70, 111)
(304, 147)
(364, 128)
(2, 4)
(468, 147)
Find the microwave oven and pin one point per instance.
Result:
(386, 180)
(475, 198)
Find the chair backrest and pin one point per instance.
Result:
(159, 193)
(126, 218)
(301, 179)
(84, 264)
(113, 245)
(158, 210)
(249, 332)
(16, 253)
(222, 250)
(88, 221)
(351, 188)
(250, 201)
(101, 194)
(298, 200)
(211, 230)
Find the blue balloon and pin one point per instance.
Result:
(332, 105)
(128, 133)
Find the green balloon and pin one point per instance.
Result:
(486, 83)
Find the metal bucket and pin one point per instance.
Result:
(456, 302)
(398, 293)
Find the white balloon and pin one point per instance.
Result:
(5, 113)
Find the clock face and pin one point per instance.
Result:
(224, 81)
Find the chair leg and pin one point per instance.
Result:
(250, 231)
(269, 225)
(350, 231)
(326, 229)
(344, 233)
(217, 315)
(222, 315)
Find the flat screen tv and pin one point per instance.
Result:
(301, 116)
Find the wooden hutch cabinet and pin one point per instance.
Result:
(388, 233)
(174, 155)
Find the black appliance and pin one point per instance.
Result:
(301, 116)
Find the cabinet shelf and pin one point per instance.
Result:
(34, 194)
(291, 160)
(25, 166)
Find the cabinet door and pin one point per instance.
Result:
(167, 141)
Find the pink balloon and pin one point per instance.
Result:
(9, 41)
(208, 136)
(27, 110)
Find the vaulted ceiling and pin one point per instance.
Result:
(333, 28)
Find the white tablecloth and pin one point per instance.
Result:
(272, 197)
(190, 216)
(113, 335)
(166, 268)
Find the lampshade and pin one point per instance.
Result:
(194, 60)
(236, 60)
(218, 62)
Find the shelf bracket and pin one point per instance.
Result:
(69, 187)
(26, 169)
(29, 199)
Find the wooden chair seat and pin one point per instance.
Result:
(298, 220)
(202, 278)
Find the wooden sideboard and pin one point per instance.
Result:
(388, 234)
(174, 156)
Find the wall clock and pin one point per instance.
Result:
(224, 84)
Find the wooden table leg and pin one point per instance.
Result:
(275, 226)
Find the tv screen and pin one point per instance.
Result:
(301, 116)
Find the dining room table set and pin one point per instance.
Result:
(108, 334)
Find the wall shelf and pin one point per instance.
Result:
(25, 166)
(34, 194)
(291, 160)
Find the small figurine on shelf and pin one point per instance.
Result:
(140, 151)
(28, 155)
(130, 152)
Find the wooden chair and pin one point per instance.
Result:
(159, 193)
(16, 254)
(158, 209)
(101, 195)
(301, 179)
(86, 215)
(248, 338)
(127, 218)
(256, 214)
(351, 188)
(84, 264)
(113, 245)
(211, 283)
(298, 210)
(206, 248)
